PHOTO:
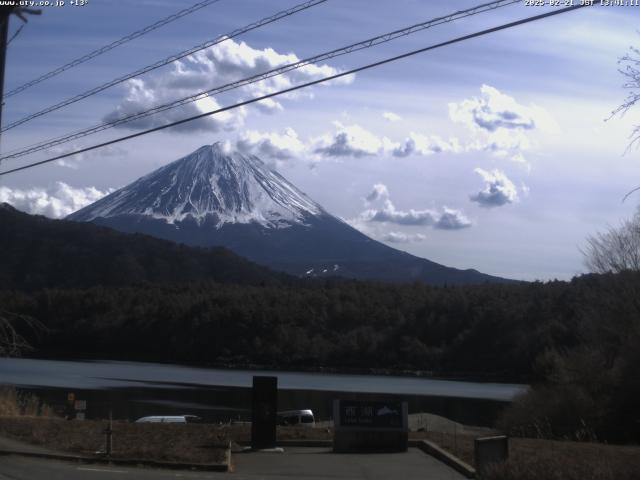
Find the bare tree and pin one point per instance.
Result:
(616, 250)
(12, 341)
(630, 70)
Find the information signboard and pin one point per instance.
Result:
(370, 425)
(371, 414)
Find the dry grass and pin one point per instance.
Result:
(9, 405)
(460, 445)
(192, 443)
(533, 459)
(529, 458)
(555, 460)
(189, 443)
(13, 403)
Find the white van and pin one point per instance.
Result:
(169, 419)
(304, 418)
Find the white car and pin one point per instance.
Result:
(170, 419)
(304, 418)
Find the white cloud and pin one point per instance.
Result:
(355, 141)
(498, 190)
(419, 144)
(142, 96)
(520, 158)
(378, 231)
(389, 214)
(348, 141)
(498, 124)
(448, 219)
(271, 146)
(401, 237)
(391, 117)
(73, 162)
(506, 143)
(452, 219)
(215, 66)
(445, 219)
(56, 201)
(491, 111)
(379, 191)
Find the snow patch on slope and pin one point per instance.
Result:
(209, 184)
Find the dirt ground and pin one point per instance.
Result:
(201, 443)
(531, 458)
(189, 443)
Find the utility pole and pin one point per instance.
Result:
(5, 13)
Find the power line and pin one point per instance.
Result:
(15, 34)
(307, 84)
(111, 46)
(260, 23)
(371, 42)
(630, 193)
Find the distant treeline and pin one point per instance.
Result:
(509, 330)
(578, 342)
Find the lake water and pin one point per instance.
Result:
(135, 389)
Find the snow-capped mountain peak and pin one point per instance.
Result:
(212, 184)
(216, 198)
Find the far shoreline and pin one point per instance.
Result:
(240, 366)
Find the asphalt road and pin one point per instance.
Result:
(25, 468)
(322, 464)
(316, 464)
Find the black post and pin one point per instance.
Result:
(109, 435)
(264, 412)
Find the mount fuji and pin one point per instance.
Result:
(216, 198)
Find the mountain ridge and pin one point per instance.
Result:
(38, 252)
(214, 197)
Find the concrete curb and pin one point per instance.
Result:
(209, 467)
(296, 443)
(305, 443)
(425, 446)
(445, 457)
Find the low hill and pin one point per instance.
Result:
(37, 252)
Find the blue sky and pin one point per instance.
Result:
(490, 154)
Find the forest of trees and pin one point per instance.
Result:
(577, 339)
(508, 331)
(80, 291)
